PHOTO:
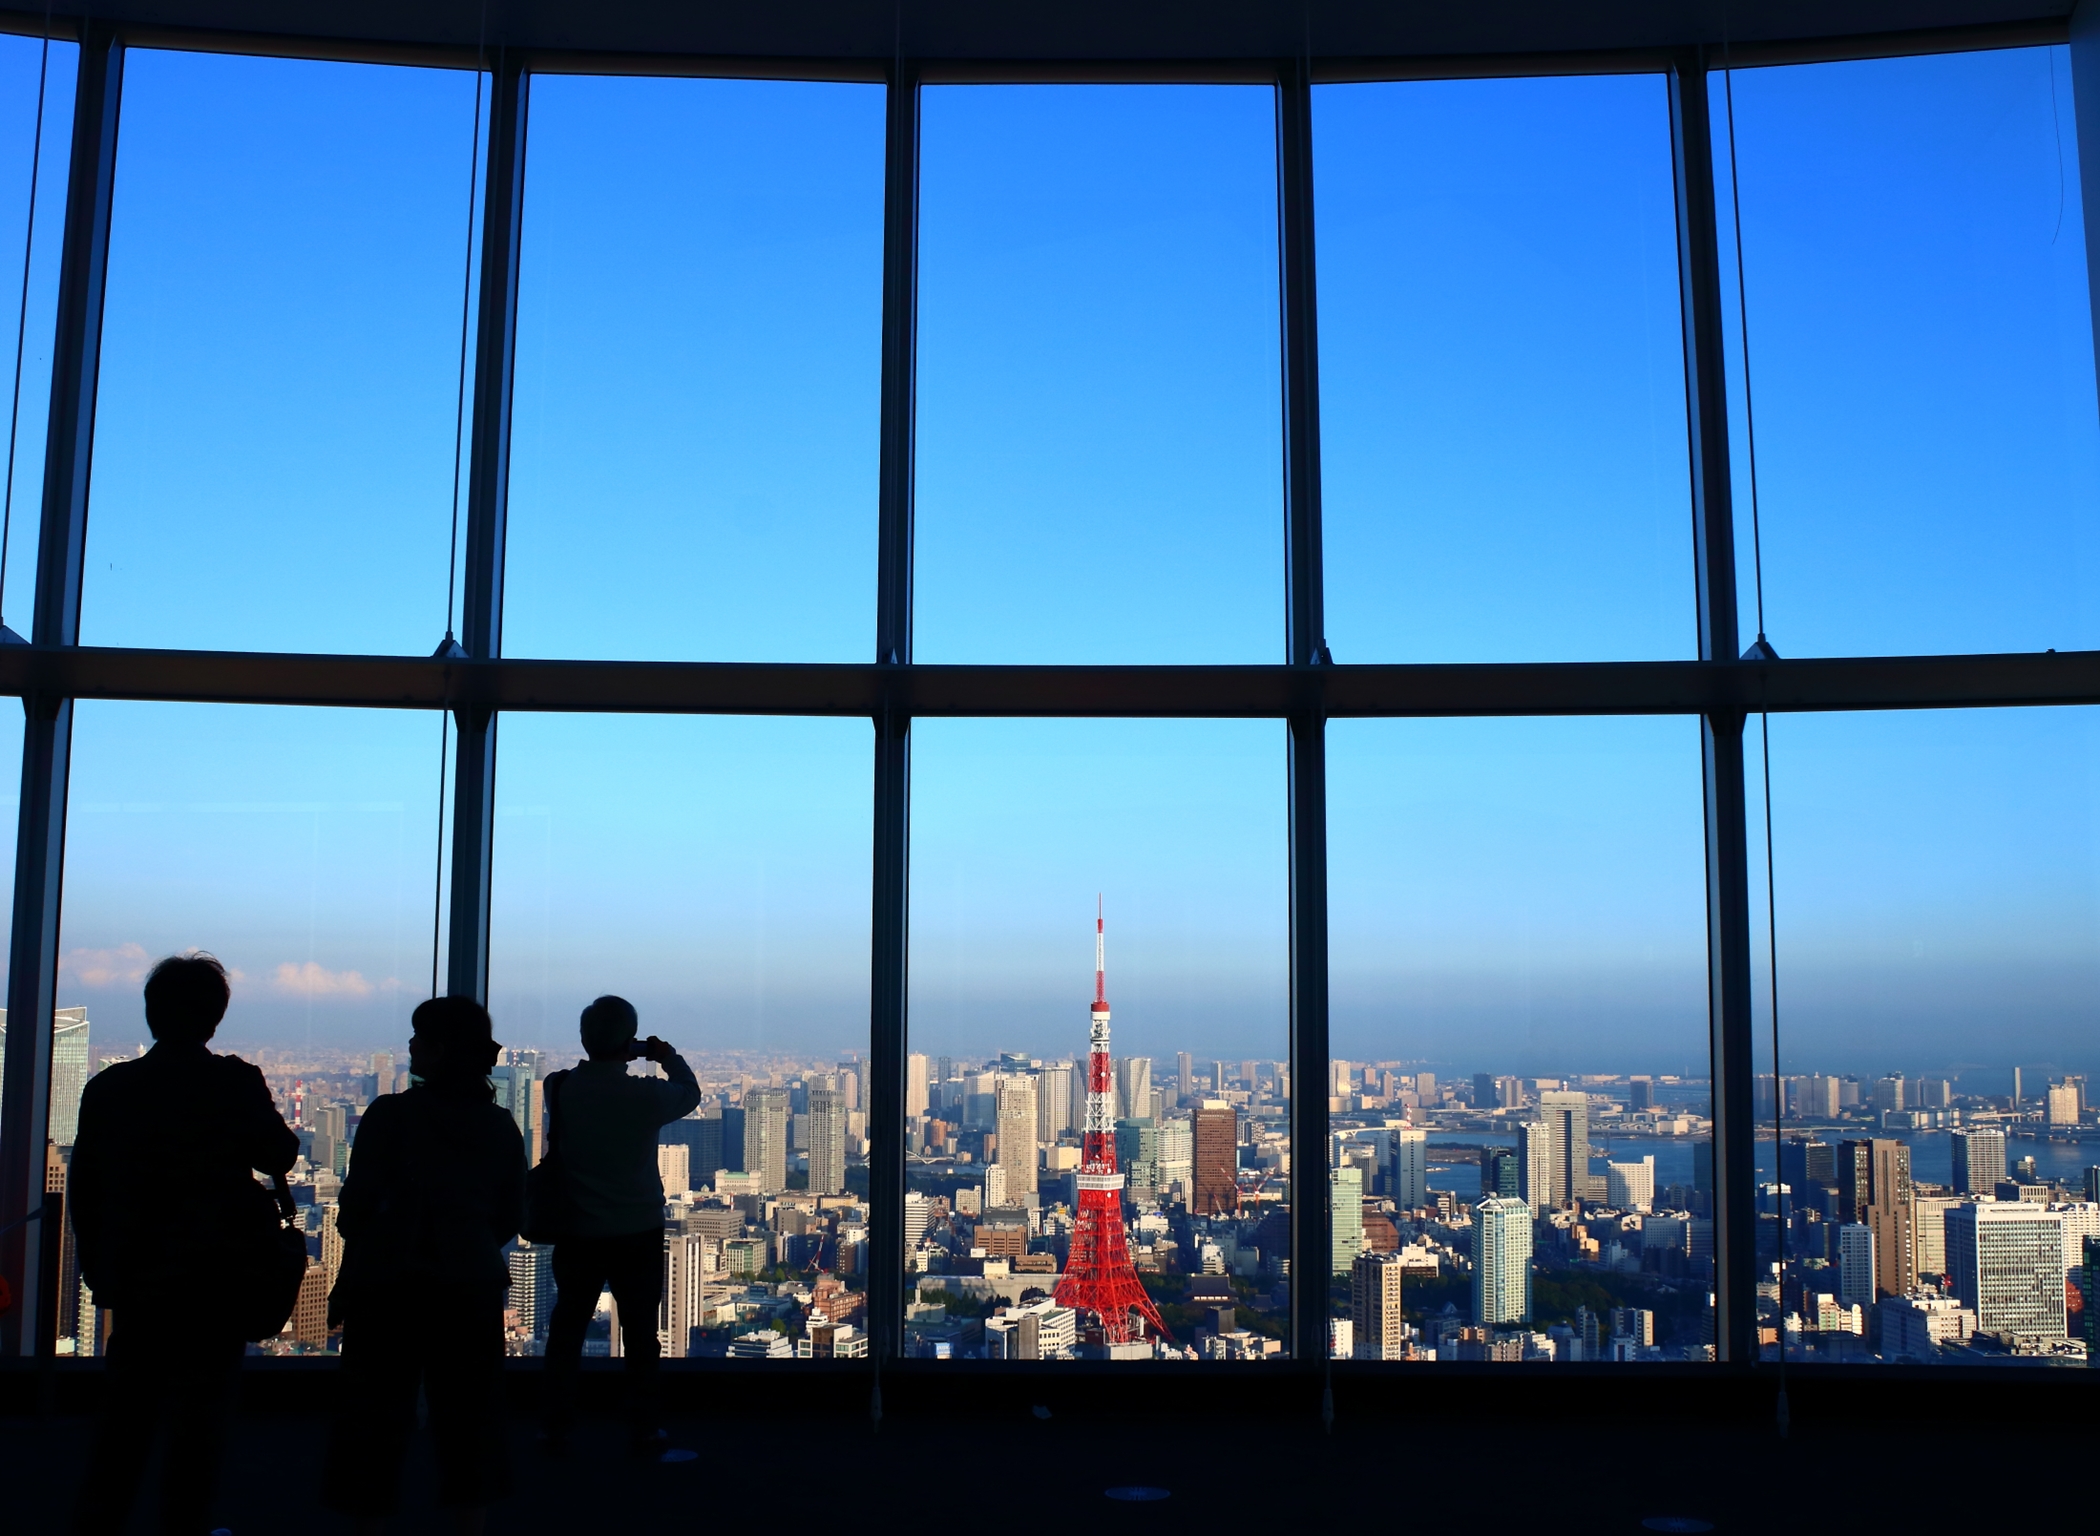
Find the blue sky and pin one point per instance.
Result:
(694, 476)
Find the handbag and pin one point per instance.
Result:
(550, 1201)
(269, 1263)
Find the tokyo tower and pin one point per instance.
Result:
(1098, 1275)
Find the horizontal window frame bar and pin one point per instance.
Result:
(872, 67)
(1990, 680)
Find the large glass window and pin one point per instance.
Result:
(699, 325)
(281, 354)
(1921, 355)
(1519, 1104)
(300, 847)
(1099, 432)
(1937, 883)
(715, 873)
(31, 151)
(1502, 426)
(1019, 1227)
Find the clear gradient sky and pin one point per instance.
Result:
(1099, 480)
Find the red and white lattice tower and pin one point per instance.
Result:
(1098, 1275)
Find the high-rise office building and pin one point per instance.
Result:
(1134, 1088)
(1502, 1172)
(1855, 1265)
(1378, 1331)
(1185, 1079)
(1890, 1213)
(1567, 1117)
(1979, 1159)
(1928, 1234)
(69, 1069)
(1015, 1111)
(1640, 1093)
(1483, 1090)
(1346, 1196)
(1177, 1158)
(1889, 1094)
(1409, 1176)
(827, 1141)
(674, 1167)
(1501, 1262)
(1631, 1186)
(2006, 1258)
(1535, 1164)
(1509, 1093)
(1215, 1132)
(1053, 1101)
(2061, 1104)
(766, 1115)
(915, 1085)
(1806, 1164)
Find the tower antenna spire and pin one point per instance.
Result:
(1100, 957)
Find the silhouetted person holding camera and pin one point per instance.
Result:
(162, 1181)
(604, 1121)
(436, 1188)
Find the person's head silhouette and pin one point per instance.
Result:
(454, 1044)
(609, 1027)
(186, 996)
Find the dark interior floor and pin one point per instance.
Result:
(1005, 1469)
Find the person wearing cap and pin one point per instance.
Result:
(603, 1121)
(435, 1190)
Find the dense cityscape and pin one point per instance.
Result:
(1490, 1218)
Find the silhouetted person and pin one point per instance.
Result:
(605, 1123)
(163, 1173)
(436, 1188)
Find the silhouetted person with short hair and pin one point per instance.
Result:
(163, 1172)
(605, 1121)
(436, 1188)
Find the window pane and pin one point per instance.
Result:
(715, 873)
(300, 847)
(274, 433)
(1502, 372)
(1018, 828)
(22, 63)
(1099, 433)
(1520, 1102)
(1921, 358)
(698, 384)
(1938, 877)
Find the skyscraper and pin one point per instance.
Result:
(1346, 1192)
(915, 1086)
(827, 1141)
(1053, 1101)
(2006, 1258)
(1640, 1093)
(766, 1112)
(1483, 1090)
(1217, 1158)
(1567, 1117)
(1185, 1078)
(1017, 1127)
(1501, 1262)
(1979, 1160)
(1177, 1159)
(1410, 1168)
(1855, 1265)
(1378, 1331)
(1535, 1164)
(1133, 1087)
(1502, 1172)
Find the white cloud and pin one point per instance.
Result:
(127, 964)
(317, 981)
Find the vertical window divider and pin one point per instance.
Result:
(1311, 1223)
(29, 1241)
(1727, 855)
(488, 500)
(890, 909)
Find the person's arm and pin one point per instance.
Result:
(679, 1096)
(269, 1145)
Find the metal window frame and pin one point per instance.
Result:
(1303, 692)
